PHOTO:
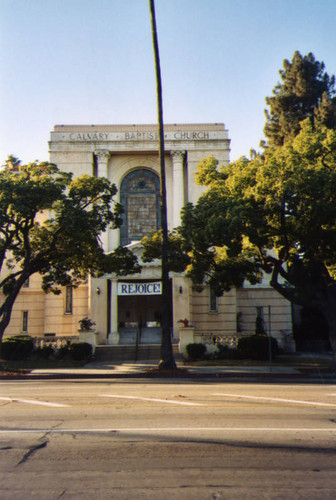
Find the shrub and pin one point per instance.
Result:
(17, 347)
(80, 351)
(44, 352)
(256, 347)
(86, 324)
(61, 352)
(225, 352)
(196, 351)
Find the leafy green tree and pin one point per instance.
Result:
(12, 163)
(305, 87)
(274, 215)
(51, 224)
(325, 112)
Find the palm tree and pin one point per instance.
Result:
(167, 357)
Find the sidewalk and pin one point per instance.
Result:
(147, 369)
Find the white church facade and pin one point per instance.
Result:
(124, 307)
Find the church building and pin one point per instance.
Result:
(128, 309)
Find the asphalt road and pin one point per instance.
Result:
(166, 440)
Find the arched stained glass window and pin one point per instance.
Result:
(140, 198)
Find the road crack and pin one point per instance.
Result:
(32, 450)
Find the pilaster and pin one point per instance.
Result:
(102, 159)
(178, 185)
(113, 337)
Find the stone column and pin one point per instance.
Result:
(178, 186)
(113, 338)
(102, 159)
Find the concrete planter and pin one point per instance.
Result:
(186, 336)
(88, 336)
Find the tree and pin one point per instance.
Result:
(167, 357)
(273, 215)
(50, 224)
(305, 86)
(12, 163)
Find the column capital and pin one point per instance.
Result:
(102, 154)
(177, 155)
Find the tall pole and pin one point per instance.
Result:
(167, 357)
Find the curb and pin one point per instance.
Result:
(276, 377)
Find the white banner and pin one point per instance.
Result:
(153, 288)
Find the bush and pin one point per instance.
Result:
(44, 352)
(256, 347)
(196, 351)
(61, 352)
(80, 351)
(225, 352)
(17, 347)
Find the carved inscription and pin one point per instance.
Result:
(179, 135)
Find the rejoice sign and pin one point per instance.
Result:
(153, 288)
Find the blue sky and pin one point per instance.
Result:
(91, 62)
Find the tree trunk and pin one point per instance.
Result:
(167, 357)
(7, 308)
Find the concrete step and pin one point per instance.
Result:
(127, 336)
(151, 336)
(128, 352)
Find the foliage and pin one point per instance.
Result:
(61, 352)
(86, 324)
(177, 257)
(226, 352)
(274, 215)
(196, 351)
(306, 91)
(311, 334)
(51, 224)
(80, 351)
(12, 163)
(183, 322)
(44, 352)
(256, 347)
(17, 347)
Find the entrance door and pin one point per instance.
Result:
(140, 315)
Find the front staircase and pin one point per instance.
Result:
(143, 352)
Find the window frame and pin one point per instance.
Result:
(68, 302)
(213, 301)
(24, 322)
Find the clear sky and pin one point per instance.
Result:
(91, 62)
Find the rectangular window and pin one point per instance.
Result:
(68, 300)
(212, 300)
(260, 323)
(24, 321)
(260, 312)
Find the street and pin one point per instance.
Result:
(166, 440)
